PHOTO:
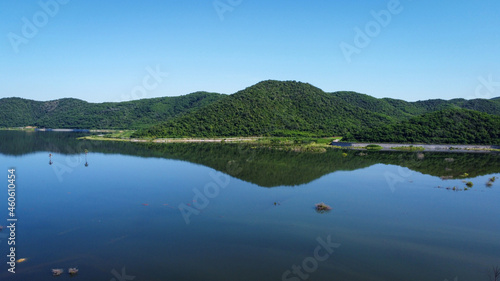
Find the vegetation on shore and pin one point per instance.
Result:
(450, 126)
(285, 109)
(78, 114)
(272, 109)
(373, 147)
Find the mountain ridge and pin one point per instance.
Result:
(268, 108)
(79, 114)
(289, 108)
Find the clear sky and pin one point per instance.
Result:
(122, 50)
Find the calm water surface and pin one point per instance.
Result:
(247, 213)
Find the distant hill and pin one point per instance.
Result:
(289, 108)
(453, 126)
(77, 114)
(272, 108)
(402, 110)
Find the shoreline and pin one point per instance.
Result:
(173, 140)
(432, 147)
(119, 135)
(266, 141)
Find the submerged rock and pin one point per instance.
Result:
(322, 207)
(73, 270)
(57, 271)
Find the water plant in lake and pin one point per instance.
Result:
(490, 182)
(73, 270)
(495, 273)
(469, 184)
(322, 207)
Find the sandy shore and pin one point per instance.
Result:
(205, 140)
(385, 146)
(175, 140)
(433, 147)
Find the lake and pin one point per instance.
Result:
(131, 211)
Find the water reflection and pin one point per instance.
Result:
(124, 212)
(262, 166)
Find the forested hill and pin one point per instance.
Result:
(459, 126)
(291, 108)
(402, 110)
(272, 108)
(78, 114)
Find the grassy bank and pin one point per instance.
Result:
(17, 129)
(283, 143)
(305, 144)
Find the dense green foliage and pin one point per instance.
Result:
(402, 110)
(454, 126)
(271, 108)
(274, 108)
(78, 114)
(373, 147)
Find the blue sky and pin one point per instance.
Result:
(121, 50)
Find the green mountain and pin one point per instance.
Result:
(455, 126)
(402, 110)
(272, 108)
(397, 109)
(78, 114)
(276, 108)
